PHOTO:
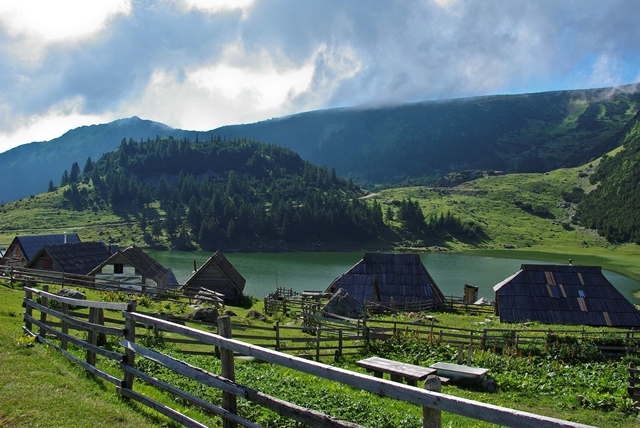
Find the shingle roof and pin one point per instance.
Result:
(31, 244)
(226, 268)
(144, 262)
(563, 294)
(78, 257)
(401, 277)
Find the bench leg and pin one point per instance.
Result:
(378, 374)
(396, 378)
(411, 382)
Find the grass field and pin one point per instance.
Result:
(40, 388)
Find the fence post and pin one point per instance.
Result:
(469, 355)
(277, 328)
(339, 353)
(64, 326)
(28, 308)
(92, 336)
(318, 344)
(431, 418)
(43, 315)
(228, 399)
(130, 335)
(460, 351)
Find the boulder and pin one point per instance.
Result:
(229, 313)
(204, 314)
(257, 315)
(344, 305)
(72, 294)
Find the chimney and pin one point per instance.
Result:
(195, 268)
(570, 262)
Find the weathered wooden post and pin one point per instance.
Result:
(277, 329)
(28, 311)
(43, 315)
(469, 355)
(64, 325)
(460, 350)
(96, 316)
(431, 418)
(229, 402)
(130, 335)
(318, 344)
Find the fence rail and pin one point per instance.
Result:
(225, 381)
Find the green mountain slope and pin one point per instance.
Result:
(612, 207)
(402, 144)
(30, 167)
(405, 144)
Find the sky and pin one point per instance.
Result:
(201, 64)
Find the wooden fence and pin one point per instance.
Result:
(50, 330)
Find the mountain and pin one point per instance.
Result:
(30, 167)
(612, 207)
(397, 145)
(404, 144)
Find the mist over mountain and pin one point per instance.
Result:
(381, 146)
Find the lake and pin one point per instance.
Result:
(314, 271)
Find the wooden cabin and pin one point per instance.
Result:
(563, 294)
(23, 248)
(390, 280)
(76, 258)
(132, 269)
(217, 274)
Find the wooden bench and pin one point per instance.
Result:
(397, 370)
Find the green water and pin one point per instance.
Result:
(314, 271)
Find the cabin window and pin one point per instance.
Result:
(580, 293)
(47, 264)
(118, 268)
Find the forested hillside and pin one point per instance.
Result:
(222, 192)
(380, 146)
(613, 208)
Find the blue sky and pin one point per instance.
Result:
(200, 64)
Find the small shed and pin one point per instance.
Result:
(77, 258)
(563, 294)
(219, 275)
(132, 268)
(23, 248)
(390, 279)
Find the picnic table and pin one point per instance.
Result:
(397, 370)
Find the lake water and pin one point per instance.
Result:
(314, 271)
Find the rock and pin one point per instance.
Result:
(230, 313)
(344, 305)
(72, 294)
(257, 315)
(204, 314)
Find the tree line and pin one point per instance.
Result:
(612, 208)
(222, 192)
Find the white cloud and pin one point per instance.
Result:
(60, 19)
(214, 6)
(606, 70)
(55, 122)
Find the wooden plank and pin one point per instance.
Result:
(161, 408)
(189, 397)
(290, 410)
(78, 324)
(83, 303)
(460, 406)
(79, 342)
(91, 369)
(408, 371)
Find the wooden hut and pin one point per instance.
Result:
(132, 269)
(563, 294)
(23, 248)
(390, 280)
(76, 258)
(216, 274)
